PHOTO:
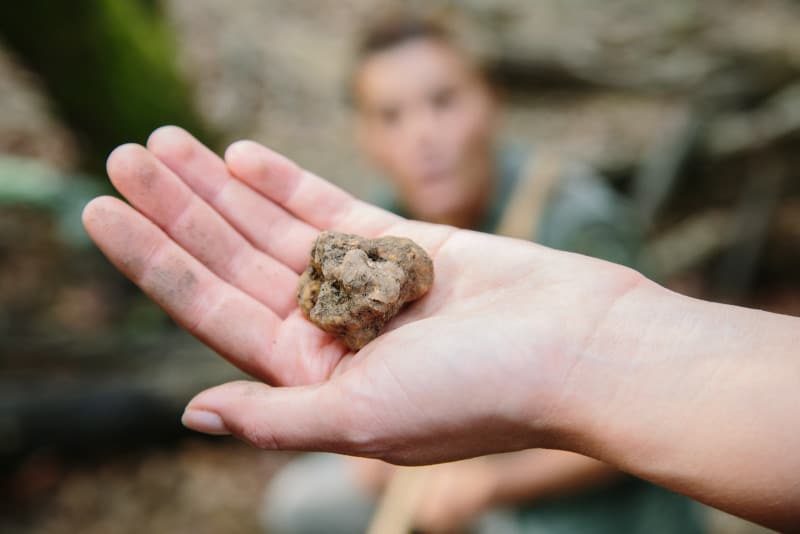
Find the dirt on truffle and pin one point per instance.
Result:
(353, 286)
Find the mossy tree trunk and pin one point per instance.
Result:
(108, 66)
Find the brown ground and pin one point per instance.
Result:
(198, 486)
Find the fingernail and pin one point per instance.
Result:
(205, 422)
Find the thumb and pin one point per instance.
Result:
(277, 418)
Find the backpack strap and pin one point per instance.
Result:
(522, 215)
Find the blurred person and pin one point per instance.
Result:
(428, 119)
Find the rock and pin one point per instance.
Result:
(353, 286)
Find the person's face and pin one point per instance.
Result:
(426, 118)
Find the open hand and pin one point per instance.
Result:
(220, 244)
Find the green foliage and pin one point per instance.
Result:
(109, 66)
(26, 182)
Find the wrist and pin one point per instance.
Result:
(582, 350)
(691, 395)
(623, 350)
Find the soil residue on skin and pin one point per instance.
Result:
(353, 286)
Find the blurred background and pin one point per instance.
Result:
(691, 109)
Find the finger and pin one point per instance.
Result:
(296, 418)
(157, 193)
(225, 318)
(321, 203)
(308, 197)
(430, 507)
(265, 224)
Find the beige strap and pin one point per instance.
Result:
(523, 214)
(398, 505)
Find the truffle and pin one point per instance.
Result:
(353, 286)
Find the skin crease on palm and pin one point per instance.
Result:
(515, 346)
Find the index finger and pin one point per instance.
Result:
(263, 223)
(307, 196)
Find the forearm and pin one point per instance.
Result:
(701, 398)
(535, 474)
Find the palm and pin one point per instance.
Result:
(222, 254)
(220, 245)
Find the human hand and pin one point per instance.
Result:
(371, 475)
(455, 494)
(515, 346)
(219, 246)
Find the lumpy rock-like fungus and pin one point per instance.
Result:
(353, 286)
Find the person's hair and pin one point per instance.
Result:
(398, 29)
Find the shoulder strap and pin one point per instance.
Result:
(523, 214)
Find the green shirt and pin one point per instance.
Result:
(583, 214)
